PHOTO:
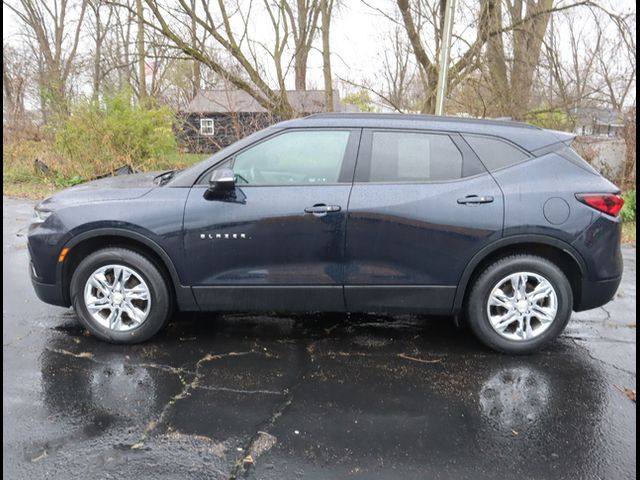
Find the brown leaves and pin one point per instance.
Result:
(629, 392)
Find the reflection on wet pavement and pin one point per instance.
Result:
(312, 396)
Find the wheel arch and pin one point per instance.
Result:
(87, 242)
(557, 251)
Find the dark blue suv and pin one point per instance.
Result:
(498, 222)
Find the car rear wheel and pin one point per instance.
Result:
(519, 304)
(120, 296)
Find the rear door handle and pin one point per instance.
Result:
(322, 209)
(475, 199)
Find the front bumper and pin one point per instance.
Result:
(48, 293)
(596, 294)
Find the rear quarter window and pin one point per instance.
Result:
(570, 154)
(495, 153)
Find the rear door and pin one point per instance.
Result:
(422, 205)
(277, 240)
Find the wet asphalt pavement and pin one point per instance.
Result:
(316, 396)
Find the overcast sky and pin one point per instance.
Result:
(356, 35)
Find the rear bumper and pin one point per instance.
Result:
(596, 294)
(49, 293)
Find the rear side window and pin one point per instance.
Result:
(413, 157)
(495, 153)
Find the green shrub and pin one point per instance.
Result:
(628, 211)
(61, 181)
(361, 99)
(554, 120)
(101, 136)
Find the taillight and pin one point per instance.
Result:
(605, 202)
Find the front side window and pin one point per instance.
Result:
(495, 153)
(294, 158)
(413, 157)
(206, 126)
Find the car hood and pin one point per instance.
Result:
(120, 187)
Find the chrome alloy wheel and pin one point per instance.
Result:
(522, 306)
(117, 298)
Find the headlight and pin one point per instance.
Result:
(39, 216)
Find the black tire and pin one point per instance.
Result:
(160, 295)
(476, 308)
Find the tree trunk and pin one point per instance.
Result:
(301, 70)
(496, 61)
(326, 7)
(127, 60)
(628, 179)
(142, 80)
(9, 94)
(527, 46)
(98, 54)
(194, 43)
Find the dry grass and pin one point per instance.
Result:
(34, 191)
(629, 232)
(21, 178)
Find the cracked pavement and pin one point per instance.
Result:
(310, 396)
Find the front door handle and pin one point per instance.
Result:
(475, 199)
(322, 209)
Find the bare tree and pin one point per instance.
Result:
(260, 62)
(616, 59)
(628, 178)
(326, 7)
(512, 69)
(15, 75)
(195, 44)
(53, 32)
(101, 25)
(169, 18)
(589, 60)
(570, 71)
(473, 95)
(420, 15)
(398, 72)
(142, 80)
(303, 18)
(118, 60)
(508, 41)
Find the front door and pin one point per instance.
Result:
(421, 207)
(277, 240)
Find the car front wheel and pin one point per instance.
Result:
(120, 296)
(519, 304)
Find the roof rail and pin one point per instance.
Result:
(419, 117)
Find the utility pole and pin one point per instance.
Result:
(445, 50)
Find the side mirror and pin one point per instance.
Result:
(221, 180)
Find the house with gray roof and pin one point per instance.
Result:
(598, 122)
(217, 118)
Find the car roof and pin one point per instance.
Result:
(528, 137)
